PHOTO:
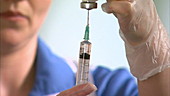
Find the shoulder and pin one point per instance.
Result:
(53, 74)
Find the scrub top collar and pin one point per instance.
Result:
(53, 74)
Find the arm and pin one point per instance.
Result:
(147, 44)
(157, 85)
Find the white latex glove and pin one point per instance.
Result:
(146, 40)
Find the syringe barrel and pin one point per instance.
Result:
(83, 64)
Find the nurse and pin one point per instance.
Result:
(28, 67)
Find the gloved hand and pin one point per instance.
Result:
(146, 40)
(79, 90)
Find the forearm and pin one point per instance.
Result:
(157, 85)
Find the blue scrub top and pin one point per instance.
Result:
(54, 75)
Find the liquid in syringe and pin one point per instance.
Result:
(84, 59)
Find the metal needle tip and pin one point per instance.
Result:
(88, 17)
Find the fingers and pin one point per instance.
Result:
(79, 90)
(119, 0)
(118, 7)
(116, 0)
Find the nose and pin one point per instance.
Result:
(10, 4)
(13, 0)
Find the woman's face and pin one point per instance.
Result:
(21, 19)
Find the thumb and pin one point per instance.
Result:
(79, 90)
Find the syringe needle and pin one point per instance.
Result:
(88, 13)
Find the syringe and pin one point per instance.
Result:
(84, 59)
(85, 47)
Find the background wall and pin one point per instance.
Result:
(163, 7)
(65, 25)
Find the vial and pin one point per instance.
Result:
(89, 4)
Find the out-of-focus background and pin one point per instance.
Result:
(64, 29)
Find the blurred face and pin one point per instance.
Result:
(21, 19)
